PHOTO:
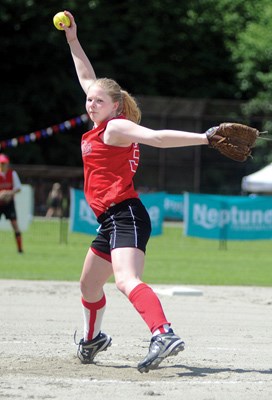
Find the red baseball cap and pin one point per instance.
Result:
(4, 159)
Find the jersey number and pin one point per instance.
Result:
(136, 155)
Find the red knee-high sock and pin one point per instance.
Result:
(146, 302)
(93, 314)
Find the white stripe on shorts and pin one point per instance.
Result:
(113, 238)
(135, 228)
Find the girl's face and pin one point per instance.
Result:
(99, 105)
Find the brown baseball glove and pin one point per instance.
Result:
(233, 140)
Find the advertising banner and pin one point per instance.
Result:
(228, 217)
(173, 207)
(24, 204)
(154, 203)
(82, 218)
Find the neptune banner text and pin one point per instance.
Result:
(228, 217)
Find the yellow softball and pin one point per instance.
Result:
(60, 17)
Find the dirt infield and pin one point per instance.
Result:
(227, 331)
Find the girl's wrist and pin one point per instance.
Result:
(72, 40)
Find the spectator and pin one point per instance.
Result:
(54, 201)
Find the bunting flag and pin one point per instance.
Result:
(44, 133)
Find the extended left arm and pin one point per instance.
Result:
(123, 133)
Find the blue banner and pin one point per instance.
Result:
(173, 207)
(82, 218)
(154, 203)
(228, 217)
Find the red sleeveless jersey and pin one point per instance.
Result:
(108, 170)
(6, 182)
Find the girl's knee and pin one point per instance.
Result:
(126, 286)
(120, 284)
(83, 287)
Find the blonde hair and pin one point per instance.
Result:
(127, 103)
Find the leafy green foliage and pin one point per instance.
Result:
(195, 48)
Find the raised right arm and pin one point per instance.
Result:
(83, 66)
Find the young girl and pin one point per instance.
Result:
(110, 154)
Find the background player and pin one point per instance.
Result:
(10, 184)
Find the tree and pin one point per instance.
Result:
(253, 56)
(160, 47)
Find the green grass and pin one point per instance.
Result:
(186, 260)
(171, 258)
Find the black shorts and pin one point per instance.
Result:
(8, 210)
(126, 224)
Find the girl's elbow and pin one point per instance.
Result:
(158, 142)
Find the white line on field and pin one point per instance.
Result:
(188, 381)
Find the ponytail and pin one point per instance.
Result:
(130, 108)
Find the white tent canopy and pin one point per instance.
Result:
(258, 182)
